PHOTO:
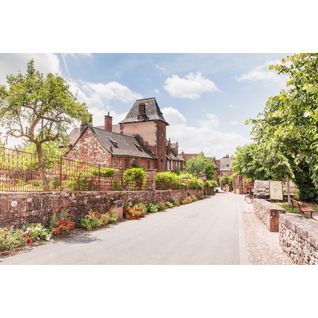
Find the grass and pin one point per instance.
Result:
(288, 208)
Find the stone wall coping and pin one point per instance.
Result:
(307, 229)
(269, 205)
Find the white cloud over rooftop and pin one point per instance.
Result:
(191, 86)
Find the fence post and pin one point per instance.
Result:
(61, 172)
(99, 177)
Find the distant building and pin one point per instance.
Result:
(138, 140)
(224, 165)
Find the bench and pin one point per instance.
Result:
(302, 209)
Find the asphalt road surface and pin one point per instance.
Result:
(204, 232)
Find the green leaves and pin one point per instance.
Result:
(285, 133)
(201, 164)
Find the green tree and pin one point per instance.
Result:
(40, 109)
(201, 164)
(247, 163)
(287, 129)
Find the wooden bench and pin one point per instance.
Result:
(302, 209)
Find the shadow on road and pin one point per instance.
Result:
(83, 238)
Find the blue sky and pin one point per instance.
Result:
(205, 97)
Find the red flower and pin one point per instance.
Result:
(29, 241)
(57, 231)
(61, 222)
(26, 234)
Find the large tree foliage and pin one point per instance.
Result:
(286, 132)
(256, 162)
(248, 164)
(201, 164)
(39, 108)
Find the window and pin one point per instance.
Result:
(148, 164)
(142, 109)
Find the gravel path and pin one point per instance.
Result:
(262, 246)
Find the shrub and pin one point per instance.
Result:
(91, 221)
(95, 220)
(169, 205)
(211, 184)
(112, 216)
(104, 172)
(161, 206)
(187, 200)
(175, 201)
(134, 178)
(195, 183)
(194, 197)
(135, 212)
(37, 232)
(61, 224)
(169, 180)
(152, 208)
(12, 239)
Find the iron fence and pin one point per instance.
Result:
(20, 172)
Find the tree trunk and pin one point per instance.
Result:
(288, 192)
(42, 166)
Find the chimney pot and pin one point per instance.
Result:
(108, 123)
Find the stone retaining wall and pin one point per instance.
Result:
(298, 237)
(22, 208)
(268, 213)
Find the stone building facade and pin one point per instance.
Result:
(139, 140)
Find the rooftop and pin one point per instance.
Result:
(152, 111)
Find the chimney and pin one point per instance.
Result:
(108, 123)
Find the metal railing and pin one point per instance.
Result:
(20, 172)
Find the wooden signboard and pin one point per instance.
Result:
(276, 190)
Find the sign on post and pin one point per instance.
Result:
(276, 190)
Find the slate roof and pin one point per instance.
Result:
(117, 144)
(153, 111)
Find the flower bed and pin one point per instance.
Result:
(95, 220)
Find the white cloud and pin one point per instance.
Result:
(260, 73)
(156, 91)
(99, 98)
(192, 86)
(15, 62)
(173, 116)
(206, 136)
(233, 122)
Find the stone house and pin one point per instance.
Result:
(138, 140)
(224, 166)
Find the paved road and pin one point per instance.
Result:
(204, 232)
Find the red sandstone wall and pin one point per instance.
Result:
(38, 207)
(88, 149)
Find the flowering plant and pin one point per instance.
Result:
(93, 220)
(36, 231)
(135, 212)
(12, 239)
(112, 216)
(61, 224)
(152, 208)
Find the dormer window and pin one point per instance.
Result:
(138, 147)
(115, 144)
(142, 111)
